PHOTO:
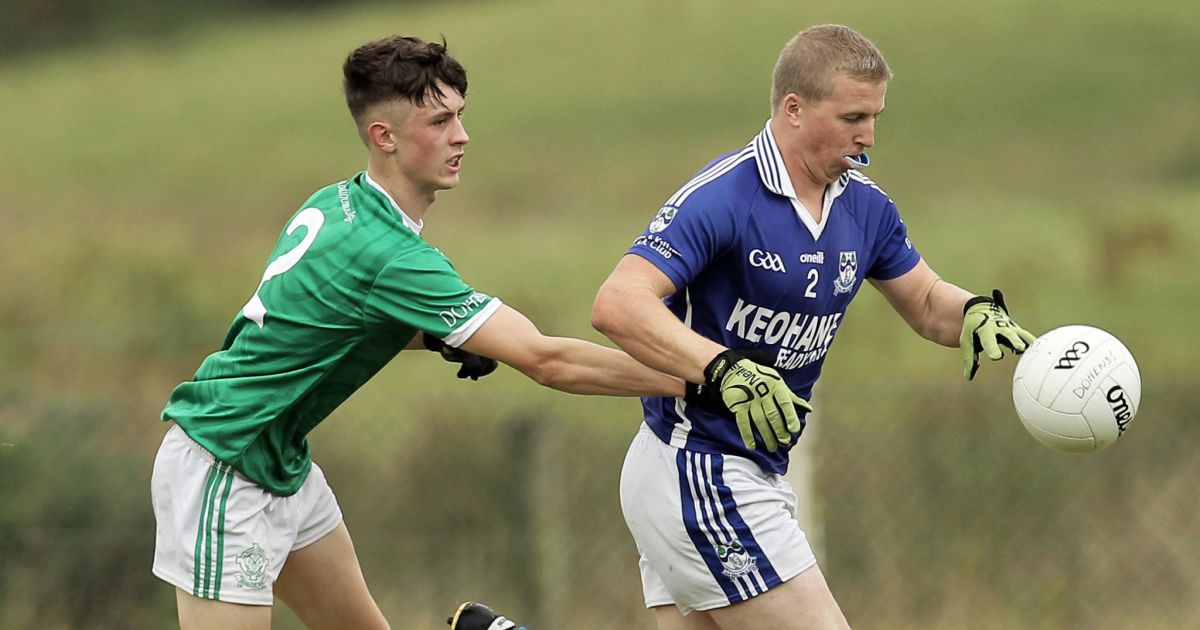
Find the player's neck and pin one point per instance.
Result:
(812, 199)
(809, 191)
(809, 187)
(410, 198)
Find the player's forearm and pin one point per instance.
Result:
(930, 305)
(581, 367)
(944, 313)
(638, 322)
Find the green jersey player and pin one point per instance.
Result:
(243, 514)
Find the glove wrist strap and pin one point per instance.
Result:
(719, 366)
(978, 299)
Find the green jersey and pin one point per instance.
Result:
(349, 284)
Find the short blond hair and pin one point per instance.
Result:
(813, 59)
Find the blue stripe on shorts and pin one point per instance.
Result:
(717, 523)
(763, 564)
(696, 531)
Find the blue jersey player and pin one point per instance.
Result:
(739, 285)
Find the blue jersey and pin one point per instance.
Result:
(754, 270)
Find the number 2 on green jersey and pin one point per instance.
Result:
(310, 218)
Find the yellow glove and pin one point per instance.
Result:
(758, 398)
(986, 327)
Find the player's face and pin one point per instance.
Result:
(843, 124)
(430, 142)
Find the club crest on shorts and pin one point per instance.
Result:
(661, 220)
(735, 560)
(847, 271)
(253, 566)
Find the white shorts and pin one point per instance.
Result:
(220, 536)
(712, 530)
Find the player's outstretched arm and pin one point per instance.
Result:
(470, 365)
(570, 365)
(930, 305)
(952, 316)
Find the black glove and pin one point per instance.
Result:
(475, 616)
(708, 397)
(473, 367)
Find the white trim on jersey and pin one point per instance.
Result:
(708, 175)
(679, 433)
(870, 182)
(771, 171)
(464, 332)
(832, 192)
(415, 226)
(776, 179)
(774, 175)
(807, 219)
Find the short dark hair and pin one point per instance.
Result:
(398, 67)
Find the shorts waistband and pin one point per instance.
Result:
(200, 450)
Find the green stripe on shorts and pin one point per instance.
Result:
(221, 534)
(209, 572)
(200, 533)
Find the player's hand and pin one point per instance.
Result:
(986, 327)
(706, 397)
(475, 616)
(758, 398)
(473, 367)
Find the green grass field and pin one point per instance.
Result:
(1050, 150)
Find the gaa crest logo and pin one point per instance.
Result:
(847, 272)
(1072, 355)
(735, 560)
(253, 566)
(661, 220)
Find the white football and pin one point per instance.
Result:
(1076, 389)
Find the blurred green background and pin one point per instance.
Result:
(151, 154)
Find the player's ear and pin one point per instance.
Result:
(791, 106)
(379, 136)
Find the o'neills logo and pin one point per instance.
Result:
(455, 314)
(343, 190)
(1122, 412)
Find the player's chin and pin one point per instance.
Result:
(447, 181)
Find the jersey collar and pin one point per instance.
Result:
(774, 175)
(415, 226)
